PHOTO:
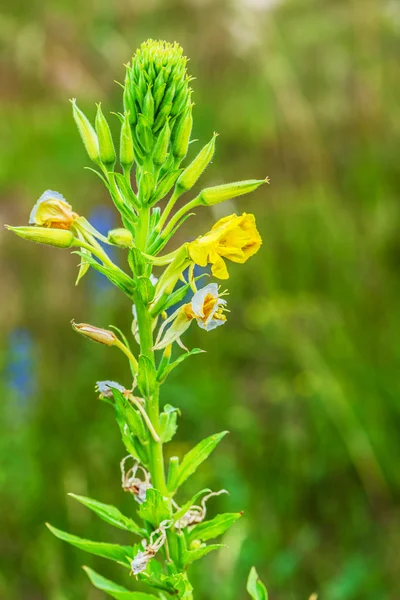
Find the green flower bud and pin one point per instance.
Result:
(120, 237)
(144, 134)
(148, 107)
(106, 144)
(87, 132)
(181, 134)
(61, 238)
(191, 174)
(220, 193)
(156, 86)
(126, 154)
(160, 151)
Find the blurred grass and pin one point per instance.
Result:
(305, 374)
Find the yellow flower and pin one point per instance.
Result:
(234, 238)
(52, 210)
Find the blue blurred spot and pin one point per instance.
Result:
(20, 374)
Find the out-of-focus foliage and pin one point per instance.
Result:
(306, 373)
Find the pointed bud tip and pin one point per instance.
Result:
(267, 179)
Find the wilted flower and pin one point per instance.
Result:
(234, 237)
(196, 514)
(131, 483)
(142, 558)
(52, 210)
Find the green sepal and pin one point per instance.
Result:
(255, 586)
(144, 134)
(168, 423)
(172, 471)
(126, 190)
(136, 262)
(119, 554)
(131, 416)
(195, 457)
(114, 590)
(110, 514)
(207, 530)
(146, 186)
(160, 151)
(146, 289)
(162, 375)
(155, 508)
(167, 300)
(192, 555)
(147, 376)
(116, 276)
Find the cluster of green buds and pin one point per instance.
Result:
(154, 137)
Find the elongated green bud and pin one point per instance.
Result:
(126, 154)
(160, 151)
(191, 174)
(87, 132)
(144, 134)
(61, 238)
(148, 106)
(106, 144)
(220, 193)
(165, 185)
(120, 237)
(96, 334)
(181, 135)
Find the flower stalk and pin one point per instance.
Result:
(155, 135)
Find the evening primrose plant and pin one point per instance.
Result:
(166, 532)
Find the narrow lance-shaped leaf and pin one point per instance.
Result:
(192, 555)
(213, 528)
(195, 457)
(110, 514)
(120, 554)
(255, 586)
(113, 589)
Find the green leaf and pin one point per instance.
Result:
(147, 376)
(181, 585)
(120, 554)
(170, 367)
(255, 586)
(195, 457)
(129, 415)
(168, 424)
(155, 508)
(114, 590)
(110, 514)
(207, 530)
(192, 555)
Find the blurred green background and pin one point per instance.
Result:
(305, 374)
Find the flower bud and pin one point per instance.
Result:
(120, 237)
(181, 135)
(126, 154)
(61, 238)
(102, 336)
(148, 106)
(144, 134)
(191, 174)
(220, 193)
(160, 151)
(106, 144)
(87, 132)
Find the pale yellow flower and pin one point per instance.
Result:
(234, 238)
(52, 210)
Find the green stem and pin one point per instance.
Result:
(178, 215)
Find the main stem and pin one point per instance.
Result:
(145, 324)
